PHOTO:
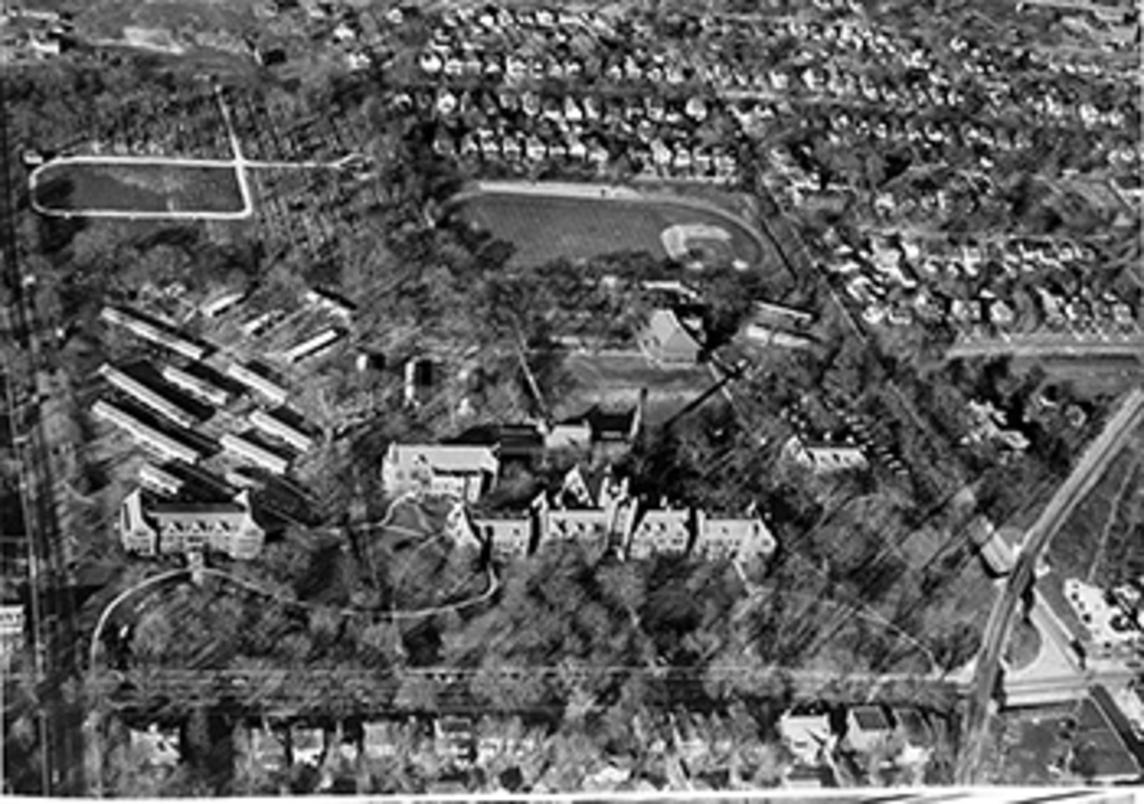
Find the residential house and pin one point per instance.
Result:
(660, 531)
(665, 340)
(155, 746)
(307, 745)
(806, 736)
(733, 538)
(505, 738)
(824, 457)
(917, 737)
(459, 470)
(806, 777)
(688, 737)
(267, 749)
(11, 632)
(178, 527)
(867, 728)
(508, 535)
(383, 739)
(453, 739)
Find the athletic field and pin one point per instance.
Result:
(544, 228)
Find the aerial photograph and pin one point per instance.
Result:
(462, 400)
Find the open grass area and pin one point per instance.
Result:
(1104, 538)
(617, 379)
(78, 187)
(547, 228)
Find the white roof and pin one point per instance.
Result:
(459, 458)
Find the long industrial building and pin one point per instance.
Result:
(196, 386)
(164, 445)
(273, 426)
(256, 382)
(259, 456)
(148, 396)
(149, 332)
(312, 345)
(160, 480)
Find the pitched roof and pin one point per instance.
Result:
(870, 718)
(914, 724)
(607, 424)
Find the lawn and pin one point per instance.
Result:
(1102, 539)
(146, 189)
(617, 379)
(546, 228)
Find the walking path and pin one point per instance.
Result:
(238, 163)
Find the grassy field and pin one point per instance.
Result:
(545, 228)
(617, 379)
(142, 188)
(1104, 538)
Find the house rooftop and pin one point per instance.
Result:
(607, 424)
(870, 718)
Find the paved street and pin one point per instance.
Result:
(1085, 475)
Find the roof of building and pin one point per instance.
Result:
(795, 727)
(157, 746)
(607, 424)
(666, 333)
(663, 518)
(460, 458)
(914, 725)
(870, 718)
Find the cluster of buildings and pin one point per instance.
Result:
(1104, 625)
(838, 438)
(904, 738)
(1000, 286)
(533, 129)
(30, 35)
(698, 749)
(593, 509)
(158, 518)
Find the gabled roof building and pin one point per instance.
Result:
(660, 531)
(462, 471)
(171, 528)
(737, 539)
